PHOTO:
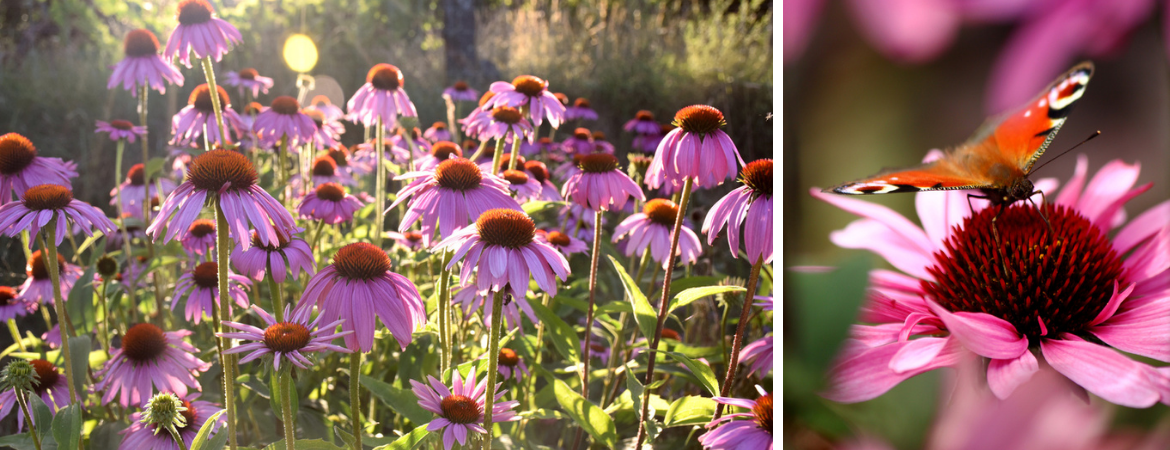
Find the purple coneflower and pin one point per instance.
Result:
(580, 110)
(324, 170)
(525, 187)
(453, 194)
(201, 287)
(511, 365)
(754, 434)
(758, 356)
(199, 238)
(382, 97)
(140, 435)
(642, 123)
(288, 341)
(149, 359)
(38, 287)
(747, 208)
(284, 120)
(231, 177)
(539, 172)
(530, 91)
(697, 149)
(652, 227)
(360, 289)
(411, 240)
(248, 118)
(134, 190)
(564, 243)
(503, 245)
(43, 203)
(471, 301)
(199, 116)
(283, 256)
(601, 145)
(600, 185)
(120, 129)
(437, 132)
(461, 92)
(504, 122)
(21, 168)
(348, 166)
(200, 32)
(366, 153)
(328, 202)
(441, 151)
(421, 146)
(580, 142)
(12, 306)
(478, 118)
(333, 113)
(248, 79)
(596, 349)
(49, 385)
(142, 65)
(461, 408)
(328, 132)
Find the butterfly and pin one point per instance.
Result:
(1000, 156)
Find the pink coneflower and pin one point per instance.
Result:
(382, 97)
(248, 118)
(503, 244)
(530, 91)
(333, 113)
(697, 149)
(461, 92)
(478, 118)
(201, 32)
(284, 120)
(511, 366)
(328, 132)
(747, 208)
(441, 151)
(360, 288)
(437, 132)
(570, 168)
(39, 205)
(601, 145)
(248, 79)
(283, 256)
(230, 176)
(596, 349)
(367, 154)
(21, 168)
(753, 434)
(506, 121)
(600, 185)
(461, 408)
(561, 97)
(52, 337)
(581, 142)
(140, 436)
(134, 190)
(324, 170)
(411, 240)
(199, 238)
(328, 202)
(453, 194)
(652, 227)
(1077, 296)
(648, 143)
(539, 172)
(421, 146)
(348, 166)
(120, 129)
(564, 243)
(471, 301)
(580, 110)
(143, 66)
(758, 356)
(198, 116)
(288, 341)
(12, 306)
(525, 187)
(49, 385)
(201, 287)
(642, 123)
(149, 359)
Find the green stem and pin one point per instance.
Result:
(355, 400)
(379, 184)
(493, 366)
(592, 299)
(178, 439)
(479, 151)
(48, 237)
(22, 400)
(105, 309)
(223, 254)
(209, 73)
(16, 334)
(408, 135)
(512, 160)
(445, 314)
(497, 156)
(277, 295)
(737, 341)
(290, 425)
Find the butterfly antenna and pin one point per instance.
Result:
(1091, 136)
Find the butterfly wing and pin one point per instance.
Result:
(961, 168)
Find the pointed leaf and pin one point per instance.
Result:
(42, 415)
(202, 442)
(80, 305)
(402, 401)
(591, 418)
(304, 444)
(701, 371)
(690, 410)
(67, 427)
(408, 441)
(689, 296)
(562, 335)
(643, 312)
(79, 348)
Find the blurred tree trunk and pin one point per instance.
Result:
(459, 40)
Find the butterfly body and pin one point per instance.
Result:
(998, 159)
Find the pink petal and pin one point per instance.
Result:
(917, 353)
(1005, 375)
(982, 333)
(866, 374)
(912, 31)
(896, 222)
(1102, 371)
(878, 238)
(1072, 190)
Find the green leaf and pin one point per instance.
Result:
(22, 441)
(303, 444)
(79, 348)
(683, 284)
(690, 410)
(689, 296)
(106, 435)
(643, 312)
(702, 371)
(562, 335)
(42, 415)
(202, 442)
(67, 427)
(636, 390)
(408, 441)
(531, 208)
(255, 384)
(401, 401)
(544, 414)
(821, 298)
(591, 418)
(276, 397)
(80, 303)
(153, 166)
(344, 435)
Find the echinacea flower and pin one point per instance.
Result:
(600, 185)
(411, 240)
(597, 349)
(452, 195)
(348, 166)
(49, 385)
(324, 170)
(328, 133)
(581, 110)
(382, 97)
(564, 243)
(697, 149)
(367, 153)
(199, 115)
(44, 203)
(284, 120)
(539, 172)
(38, 287)
(199, 238)
(471, 300)
(360, 289)
(133, 191)
(652, 228)
(143, 435)
(530, 91)
(200, 31)
(506, 122)
(12, 306)
(642, 123)
(149, 359)
(285, 256)
(230, 177)
(758, 356)
(461, 408)
(248, 79)
(120, 129)
(752, 434)
(441, 151)
(201, 288)
(143, 66)
(581, 141)
(333, 113)
(330, 203)
(461, 92)
(437, 132)
(421, 146)
(601, 145)
(511, 365)
(478, 117)
(1069, 294)
(21, 168)
(288, 341)
(648, 143)
(746, 210)
(503, 245)
(525, 187)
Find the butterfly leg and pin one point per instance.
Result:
(969, 197)
(1043, 200)
(998, 242)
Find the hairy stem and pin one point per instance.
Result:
(209, 73)
(355, 401)
(223, 253)
(592, 299)
(290, 425)
(379, 184)
(493, 366)
(50, 259)
(737, 341)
